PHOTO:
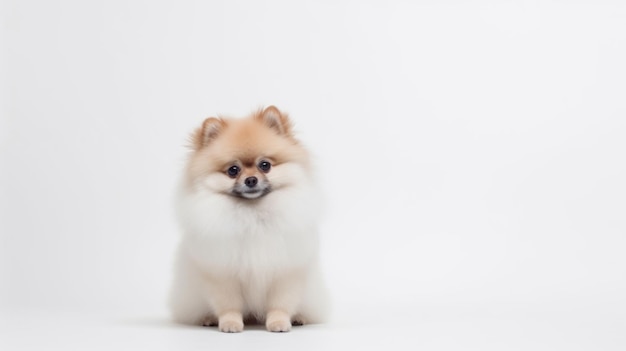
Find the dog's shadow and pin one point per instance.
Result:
(165, 323)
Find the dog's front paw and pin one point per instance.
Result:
(231, 323)
(279, 326)
(278, 321)
(231, 326)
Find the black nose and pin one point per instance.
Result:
(251, 182)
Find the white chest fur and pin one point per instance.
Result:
(251, 238)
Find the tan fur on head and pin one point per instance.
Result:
(221, 142)
(273, 118)
(209, 130)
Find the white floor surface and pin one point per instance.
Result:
(539, 326)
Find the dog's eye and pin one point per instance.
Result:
(265, 166)
(233, 171)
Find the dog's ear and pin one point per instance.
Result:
(278, 121)
(211, 128)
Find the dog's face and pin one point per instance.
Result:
(250, 177)
(247, 158)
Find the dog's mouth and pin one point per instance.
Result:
(249, 194)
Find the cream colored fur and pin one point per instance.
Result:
(243, 259)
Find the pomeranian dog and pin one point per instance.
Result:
(249, 209)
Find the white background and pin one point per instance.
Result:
(473, 156)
